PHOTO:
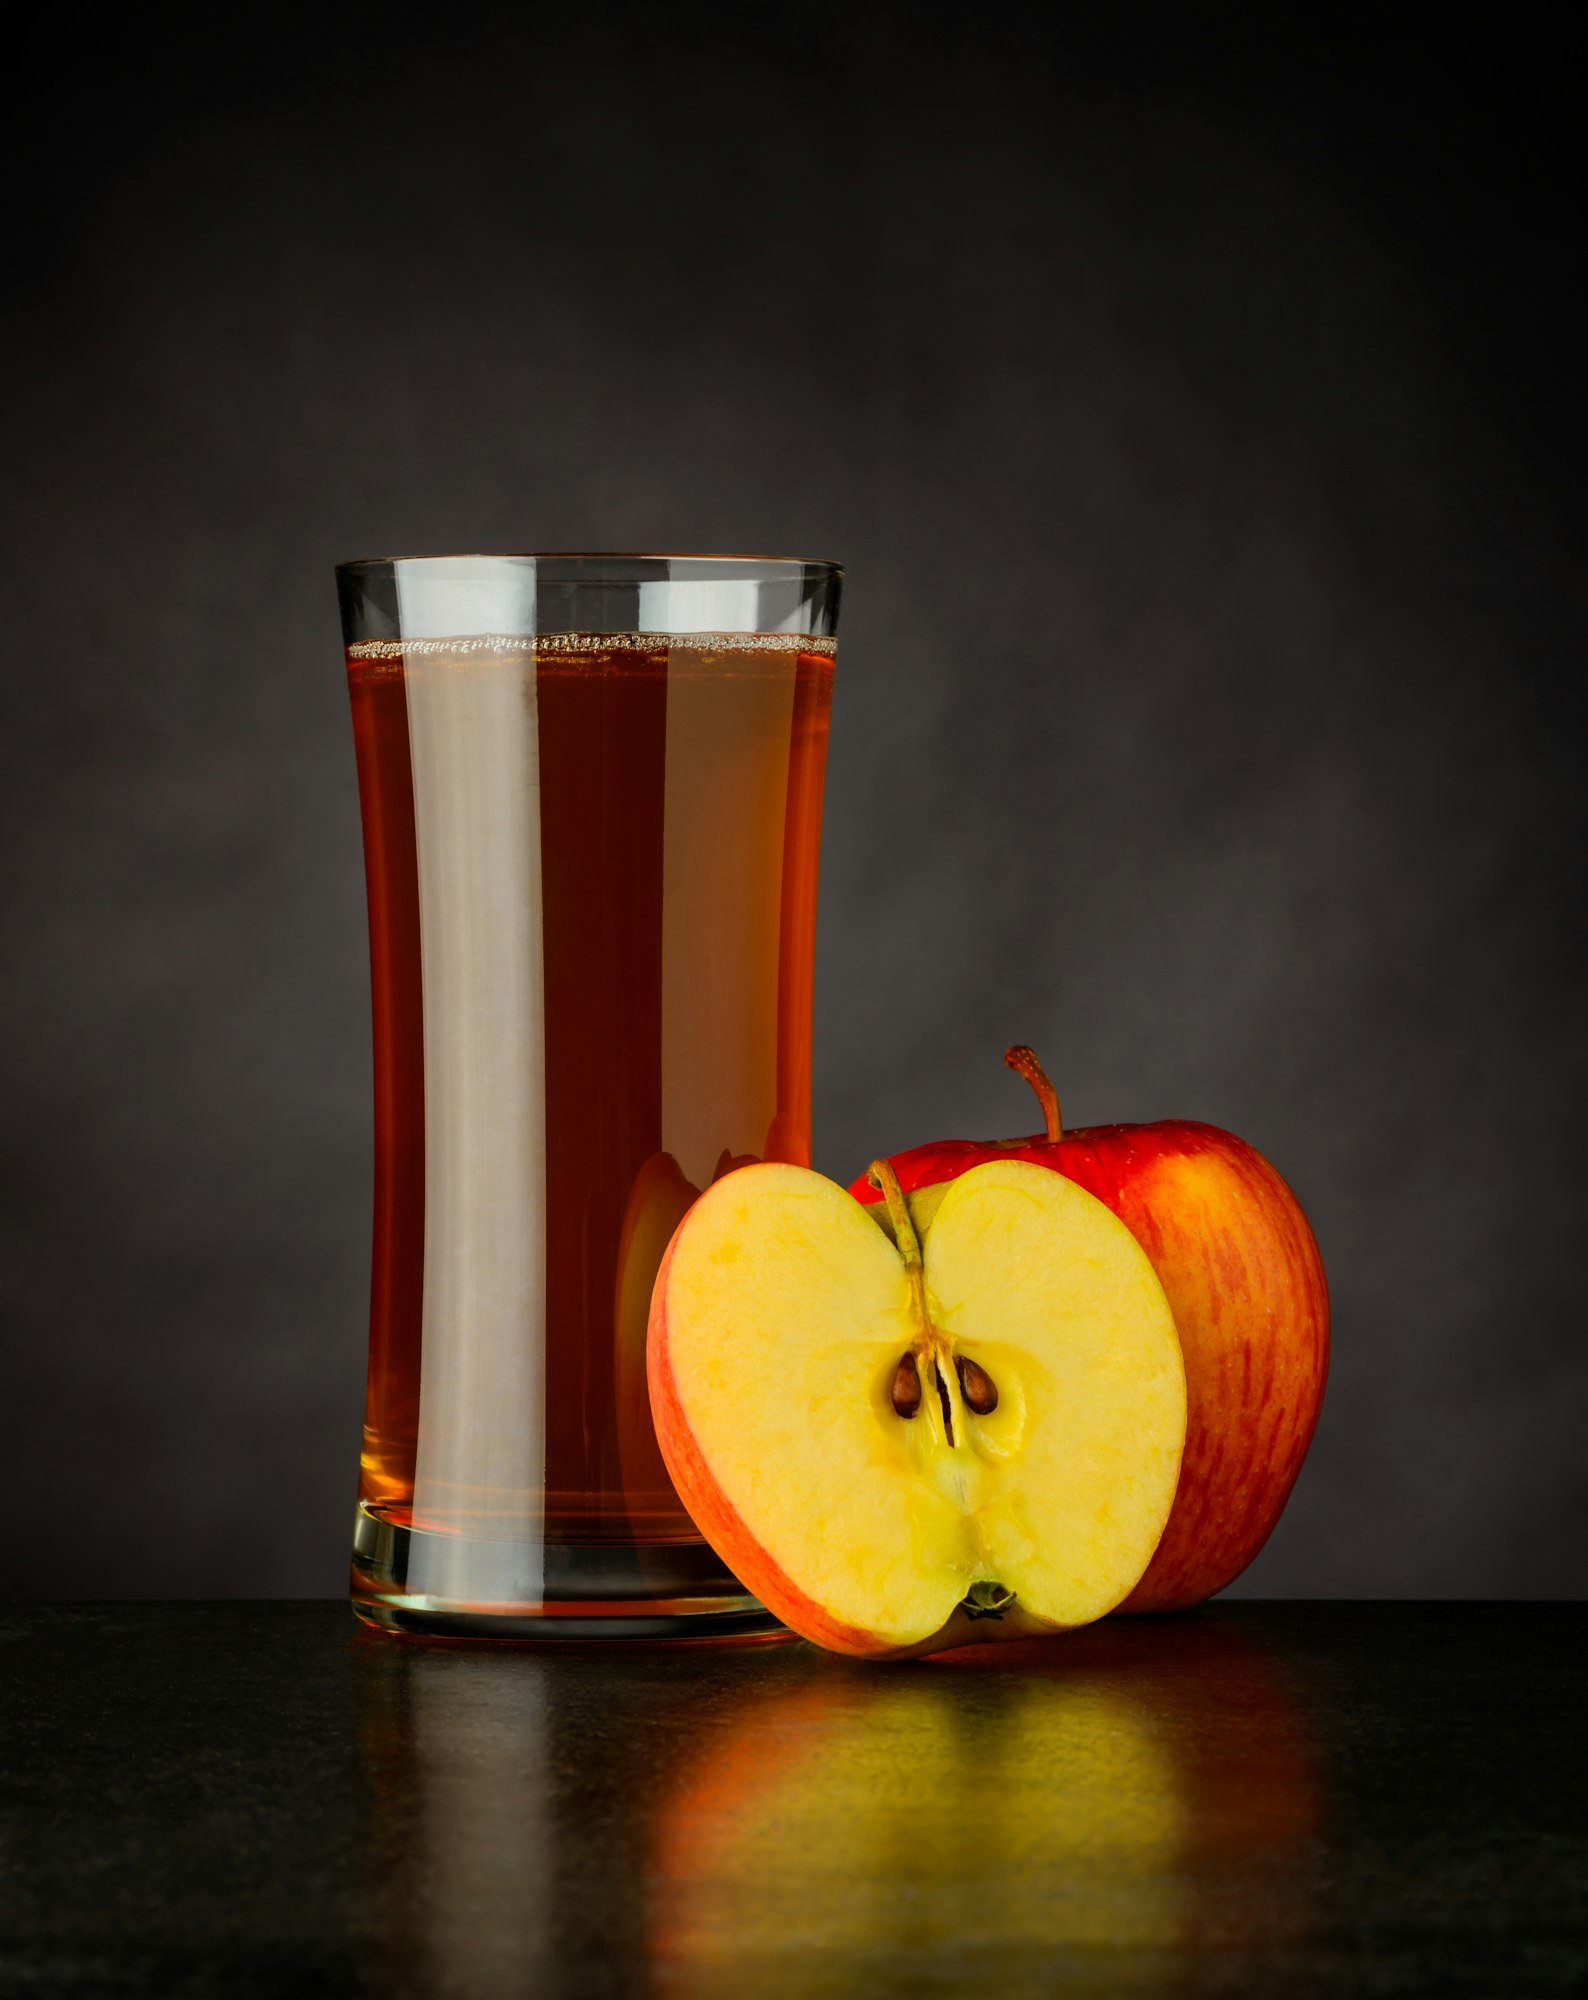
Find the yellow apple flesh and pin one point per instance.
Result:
(901, 1447)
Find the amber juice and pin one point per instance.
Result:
(592, 890)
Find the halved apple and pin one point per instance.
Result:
(900, 1444)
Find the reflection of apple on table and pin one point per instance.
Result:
(1022, 1809)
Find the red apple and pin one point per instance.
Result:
(904, 1442)
(1244, 1280)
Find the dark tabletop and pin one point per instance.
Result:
(1255, 1798)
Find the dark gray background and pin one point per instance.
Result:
(1198, 424)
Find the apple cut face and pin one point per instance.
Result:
(898, 1455)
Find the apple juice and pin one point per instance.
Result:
(592, 889)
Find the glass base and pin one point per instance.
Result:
(450, 1586)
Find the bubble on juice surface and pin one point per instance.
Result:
(576, 644)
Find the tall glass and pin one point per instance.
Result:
(592, 792)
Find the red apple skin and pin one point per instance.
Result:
(1241, 1270)
(717, 1520)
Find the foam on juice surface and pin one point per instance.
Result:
(576, 645)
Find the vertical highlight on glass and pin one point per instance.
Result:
(591, 790)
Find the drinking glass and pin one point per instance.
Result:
(591, 789)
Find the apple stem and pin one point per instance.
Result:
(1023, 1062)
(929, 1348)
(881, 1175)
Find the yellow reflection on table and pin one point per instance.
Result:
(1087, 1804)
(1096, 1813)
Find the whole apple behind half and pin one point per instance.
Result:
(1242, 1273)
(902, 1444)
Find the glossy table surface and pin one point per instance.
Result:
(1256, 1798)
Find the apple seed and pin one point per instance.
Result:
(976, 1386)
(906, 1387)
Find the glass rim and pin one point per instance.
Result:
(748, 562)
